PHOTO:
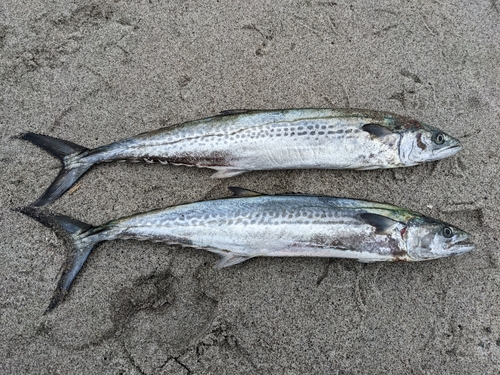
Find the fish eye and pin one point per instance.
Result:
(447, 232)
(439, 138)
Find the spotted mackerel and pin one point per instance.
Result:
(254, 225)
(240, 141)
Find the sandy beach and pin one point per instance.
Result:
(92, 72)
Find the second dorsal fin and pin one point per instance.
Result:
(230, 112)
(241, 192)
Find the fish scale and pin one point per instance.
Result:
(237, 219)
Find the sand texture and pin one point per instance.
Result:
(95, 71)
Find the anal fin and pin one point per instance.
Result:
(371, 260)
(230, 260)
(223, 172)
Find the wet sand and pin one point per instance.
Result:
(93, 72)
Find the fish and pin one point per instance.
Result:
(251, 224)
(239, 141)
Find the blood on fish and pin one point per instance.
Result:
(403, 231)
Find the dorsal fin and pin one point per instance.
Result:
(240, 192)
(229, 112)
(298, 193)
(381, 223)
(376, 130)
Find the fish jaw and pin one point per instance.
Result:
(463, 248)
(462, 244)
(446, 152)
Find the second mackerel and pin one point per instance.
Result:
(240, 141)
(254, 225)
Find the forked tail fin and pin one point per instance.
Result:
(80, 243)
(68, 174)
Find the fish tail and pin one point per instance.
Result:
(68, 175)
(81, 239)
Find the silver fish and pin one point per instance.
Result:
(235, 142)
(253, 225)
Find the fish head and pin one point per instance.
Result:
(430, 239)
(426, 144)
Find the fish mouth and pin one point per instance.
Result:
(462, 247)
(447, 151)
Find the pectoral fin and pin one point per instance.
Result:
(376, 130)
(382, 224)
